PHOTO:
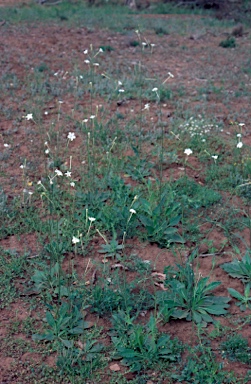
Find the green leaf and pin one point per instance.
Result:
(67, 343)
(50, 319)
(45, 336)
(235, 294)
(176, 238)
(170, 231)
(175, 221)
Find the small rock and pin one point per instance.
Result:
(237, 31)
(114, 367)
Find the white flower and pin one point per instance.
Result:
(60, 102)
(92, 117)
(85, 120)
(91, 219)
(46, 112)
(170, 74)
(6, 145)
(121, 90)
(68, 174)
(188, 151)
(155, 89)
(58, 172)
(146, 107)
(215, 157)
(47, 151)
(87, 61)
(71, 136)
(85, 51)
(29, 116)
(22, 166)
(120, 82)
(72, 184)
(153, 45)
(240, 145)
(39, 182)
(101, 50)
(132, 211)
(75, 240)
(241, 124)
(144, 44)
(96, 64)
(238, 135)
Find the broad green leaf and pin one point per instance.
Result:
(67, 343)
(50, 319)
(235, 293)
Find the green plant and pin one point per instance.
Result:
(50, 281)
(201, 366)
(236, 348)
(112, 249)
(160, 219)
(161, 31)
(134, 43)
(193, 195)
(12, 267)
(116, 293)
(138, 168)
(144, 347)
(190, 298)
(244, 300)
(239, 268)
(65, 322)
(83, 358)
(229, 42)
(106, 48)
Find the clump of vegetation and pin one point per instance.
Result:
(230, 42)
(235, 348)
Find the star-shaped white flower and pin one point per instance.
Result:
(75, 240)
(71, 136)
(29, 116)
(58, 172)
(68, 174)
(188, 151)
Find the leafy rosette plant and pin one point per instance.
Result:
(239, 268)
(190, 298)
(143, 346)
(160, 221)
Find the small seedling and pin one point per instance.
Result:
(244, 300)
